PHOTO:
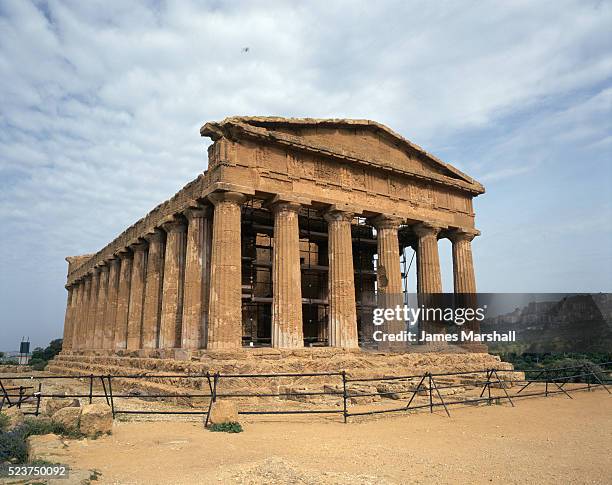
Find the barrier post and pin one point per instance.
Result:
(344, 396)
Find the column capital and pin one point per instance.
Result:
(462, 234)
(175, 225)
(113, 261)
(155, 236)
(284, 205)
(139, 246)
(334, 214)
(103, 268)
(124, 253)
(424, 229)
(385, 221)
(233, 197)
(197, 212)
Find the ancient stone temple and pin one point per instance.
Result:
(285, 241)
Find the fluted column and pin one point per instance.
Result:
(111, 305)
(101, 307)
(123, 300)
(137, 288)
(287, 330)
(342, 310)
(225, 301)
(76, 305)
(93, 308)
(197, 267)
(172, 298)
(151, 316)
(85, 312)
(464, 279)
(429, 279)
(388, 274)
(463, 265)
(67, 336)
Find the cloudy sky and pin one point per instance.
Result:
(101, 102)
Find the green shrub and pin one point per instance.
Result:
(231, 427)
(13, 448)
(33, 426)
(4, 422)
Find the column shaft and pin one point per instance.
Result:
(388, 275)
(463, 266)
(68, 318)
(134, 326)
(111, 306)
(197, 267)
(225, 302)
(123, 300)
(342, 312)
(287, 329)
(93, 308)
(429, 279)
(84, 312)
(172, 298)
(153, 290)
(101, 308)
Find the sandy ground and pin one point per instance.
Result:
(541, 440)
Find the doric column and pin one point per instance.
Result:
(388, 274)
(93, 308)
(464, 279)
(429, 279)
(197, 267)
(287, 330)
(123, 300)
(84, 312)
(463, 265)
(110, 316)
(342, 311)
(225, 301)
(134, 326)
(68, 319)
(77, 333)
(151, 315)
(74, 327)
(172, 298)
(101, 307)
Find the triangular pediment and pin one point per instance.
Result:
(356, 140)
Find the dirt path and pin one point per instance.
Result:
(541, 440)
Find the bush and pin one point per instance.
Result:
(4, 422)
(33, 426)
(231, 427)
(13, 448)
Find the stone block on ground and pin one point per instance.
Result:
(47, 447)
(15, 416)
(55, 404)
(223, 412)
(96, 419)
(69, 417)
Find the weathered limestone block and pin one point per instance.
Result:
(96, 419)
(69, 417)
(223, 411)
(55, 404)
(15, 416)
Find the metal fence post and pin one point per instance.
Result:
(38, 399)
(91, 378)
(344, 396)
(430, 394)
